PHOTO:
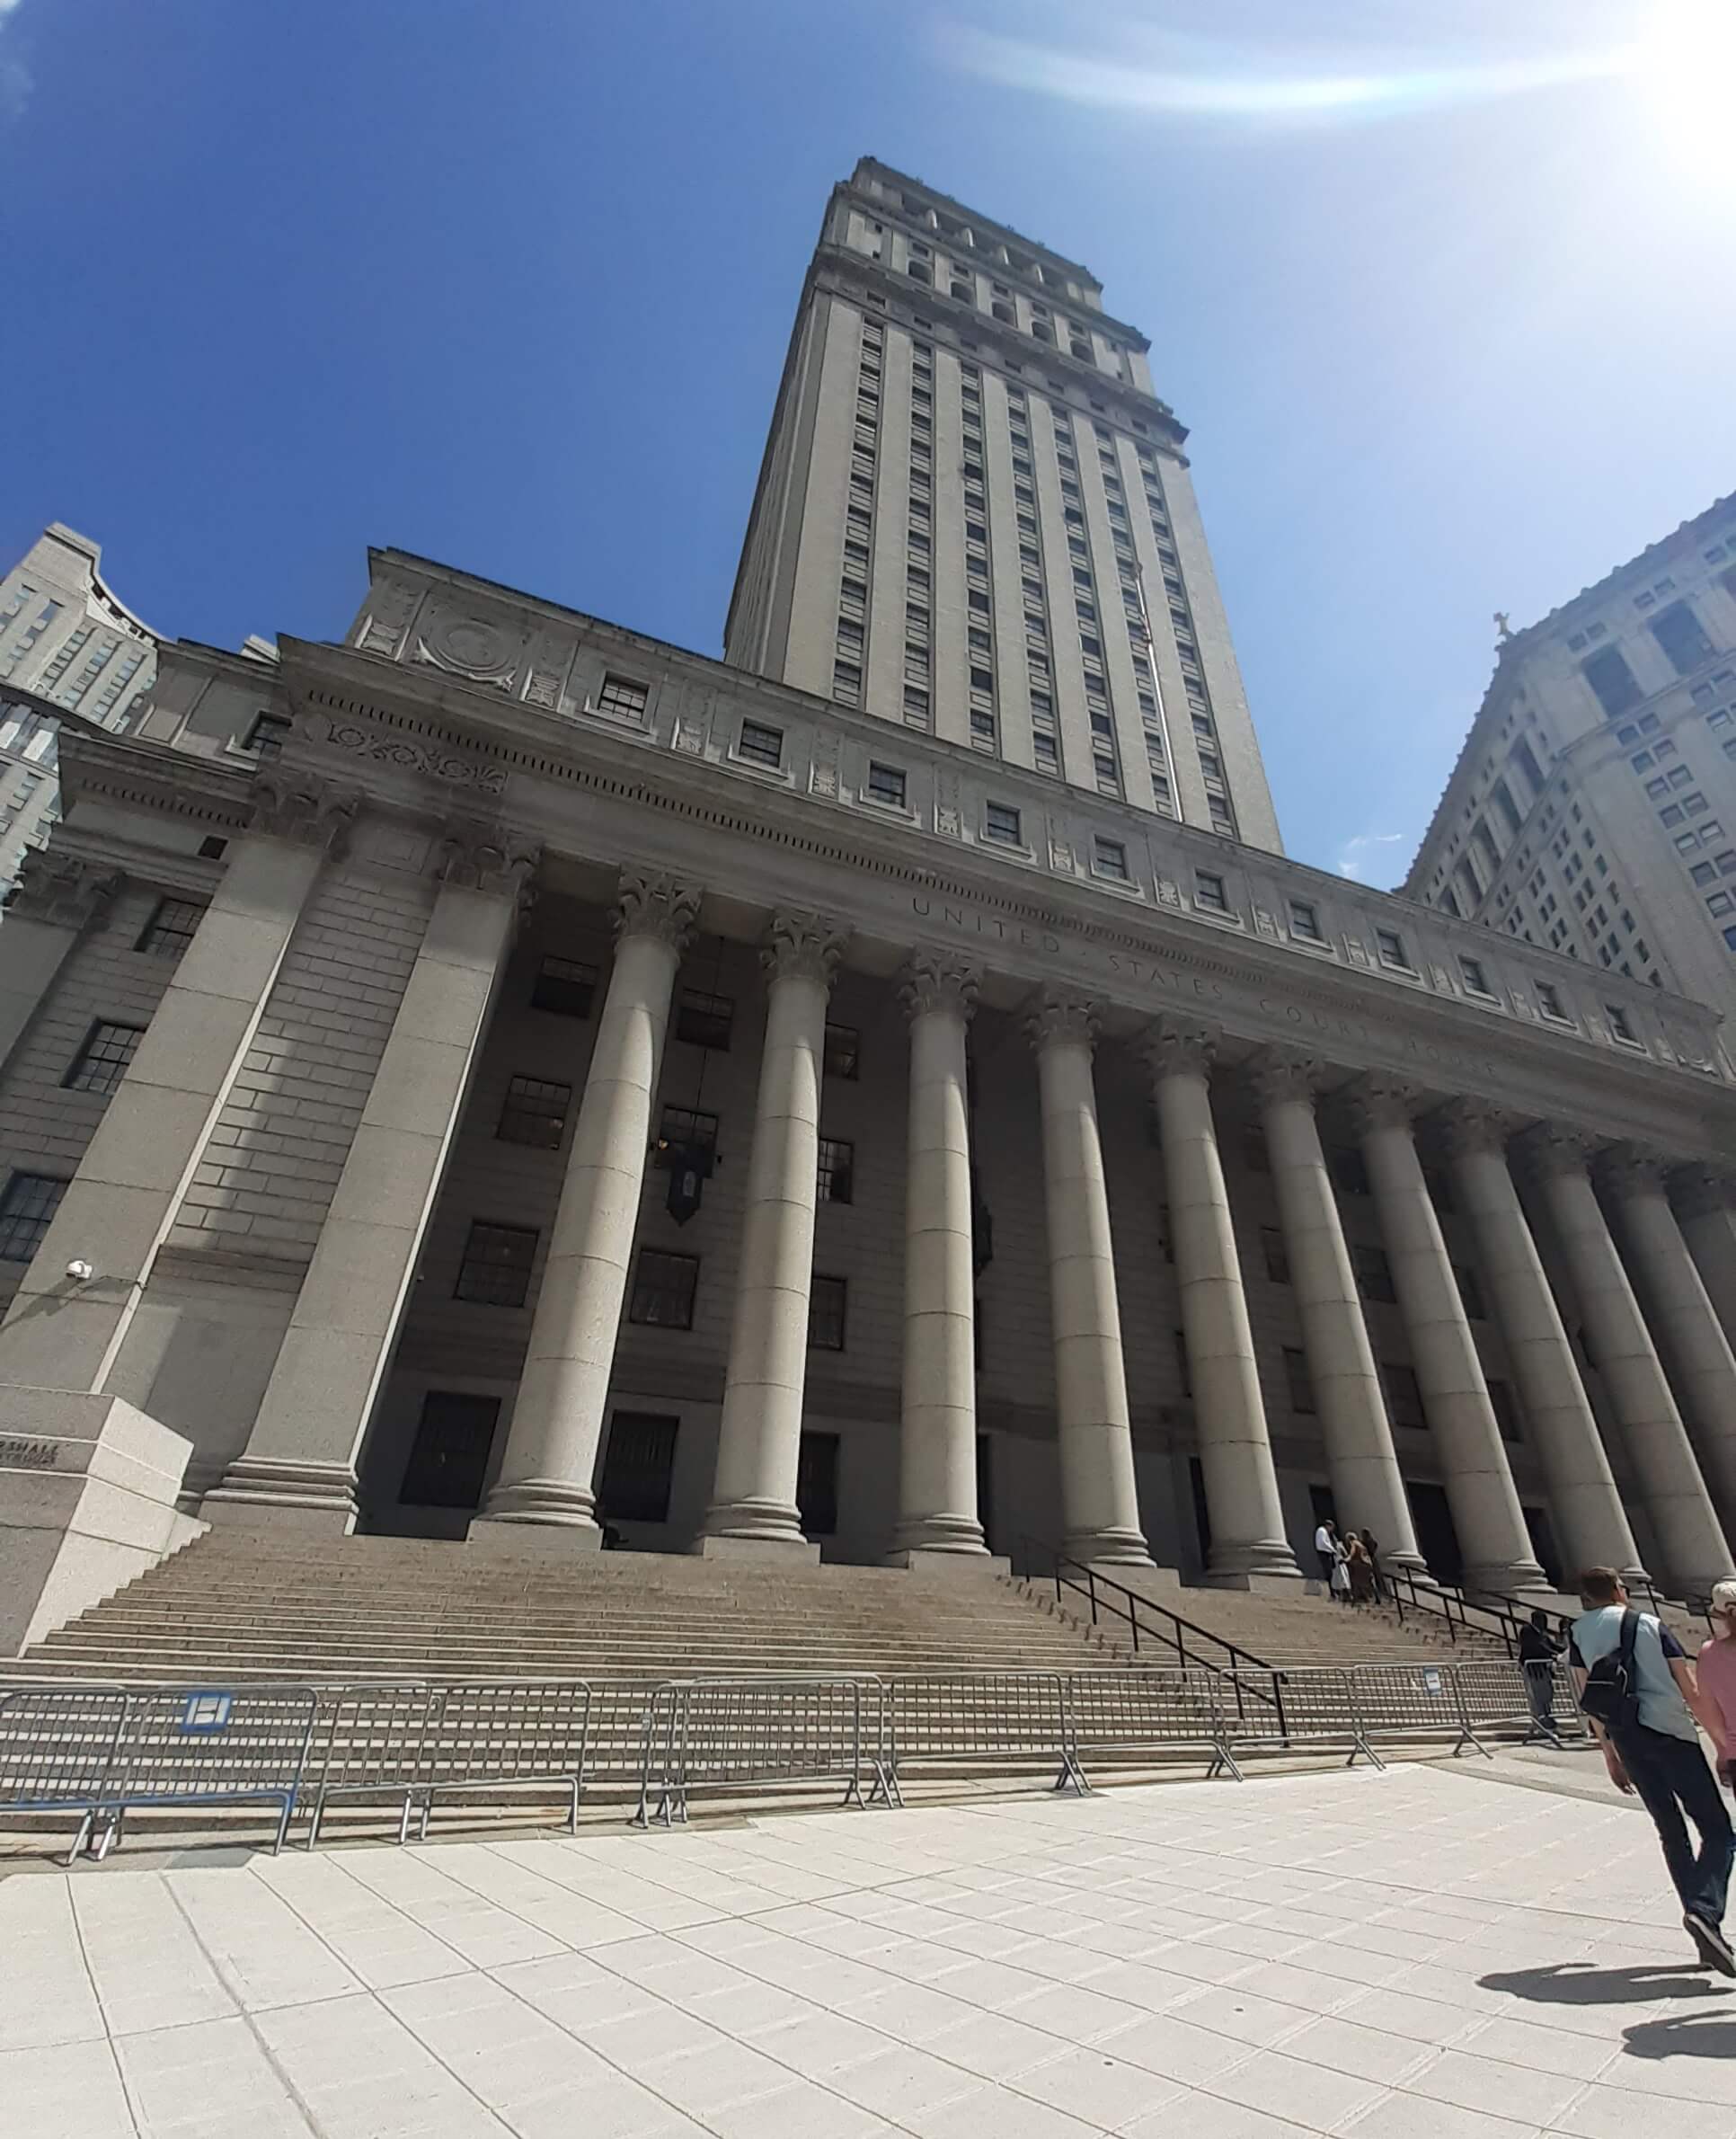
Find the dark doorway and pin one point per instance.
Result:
(1435, 1535)
(817, 1485)
(1543, 1549)
(986, 1488)
(1325, 1508)
(638, 1468)
(449, 1459)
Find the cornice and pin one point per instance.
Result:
(96, 764)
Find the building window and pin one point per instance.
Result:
(1612, 680)
(761, 745)
(1209, 892)
(826, 1311)
(1506, 1410)
(449, 1459)
(624, 700)
(663, 1289)
(102, 1062)
(1278, 1263)
(682, 1126)
(1001, 824)
(1347, 1170)
(1110, 858)
(1305, 921)
(495, 1270)
(1678, 631)
(1403, 1396)
(1474, 976)
(1389, 945)
(1549, 1000)
(887, 784)
(565, 986)
(265, 736)
(837, 1177)
(704, 1020)
(170, 929)
(1374, 1276)
(843, 1053)
(535, 1112)
(1470, 1292)
(26, 1212)
(817, 1483)
(1300, 1389)
(638, 1468)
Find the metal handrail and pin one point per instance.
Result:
(1131, 1600)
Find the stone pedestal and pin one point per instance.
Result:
(87, 1504)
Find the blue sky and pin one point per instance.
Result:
(1447, 301)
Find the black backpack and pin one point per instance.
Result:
(1611, 1695)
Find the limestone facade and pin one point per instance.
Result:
(557, 1115)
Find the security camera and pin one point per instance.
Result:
(81, 1271)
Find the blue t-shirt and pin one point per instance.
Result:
(1598, 1634)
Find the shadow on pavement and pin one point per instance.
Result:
(1686, 2035)
(1577, 1983)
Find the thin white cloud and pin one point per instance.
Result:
(1213, 79)
(1357, 855)
(16, 80)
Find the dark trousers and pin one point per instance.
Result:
(1540, 1691)
(1328, 1561)
(1671, 1778)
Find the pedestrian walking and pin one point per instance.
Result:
(1325, 1545)
(1361, 1570)
(1716, 1671)
(1538, 1649)
(1640, 1694)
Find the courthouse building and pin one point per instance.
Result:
(884, 1094)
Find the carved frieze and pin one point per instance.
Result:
(387, 620)
(411, 753)
(482, 648)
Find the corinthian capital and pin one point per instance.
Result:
(1628, 1170)
(804, 947)
(1702, 1191)
(1468, 1126)
(938, 981)
(1549, 1151)
(304, 808)
(485, 857)
(1058, 1015)
(61, 889)
(1382, 1103)
(658, 905)
(1174, 1050)
(1275, 1074)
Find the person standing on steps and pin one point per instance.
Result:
(1361, 1569)
(1325, 1545)
(1373, 1551)
(1538, 1650)
(1716, 1671)
(1642, 1700)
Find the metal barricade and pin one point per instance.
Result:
(57, 1748)
(1504, 1696)
(367, 1743)
(1412, 1701)
(1143, 1711)
(715, 1733)
(204, 1745)
(976, 1716)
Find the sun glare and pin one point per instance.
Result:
(1684, 66)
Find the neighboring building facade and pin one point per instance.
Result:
(974, 517)
(502, 1072)
(63, 639)
(1593, 808)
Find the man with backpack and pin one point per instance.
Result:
(1641, 1698)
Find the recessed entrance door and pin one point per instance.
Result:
(449, 1459)
(1435, 1535)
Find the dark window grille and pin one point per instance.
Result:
(265, 736)
(761, 745)
(27, 1209)
(1001, 822)
(567, 985)
(704, 1020)
(638, 1468)
(683, 1125)
(1374, 1275)
(1404, 1396)
(887, 784)
(843, 1053)
(535, 1112)
(663, 1289)
(495, 1270)
(626, 701)
(1299, 1386)
(449, 1459)
(817, 1485)
(102, 1062)
(837, 1160)
(827, 1302)
(1349, 1170)
(1278, 1263)
(170, 929)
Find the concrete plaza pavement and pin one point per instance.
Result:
(1429, 1953)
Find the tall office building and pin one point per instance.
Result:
(974, 517)
(1593, 808)
(66, 639)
